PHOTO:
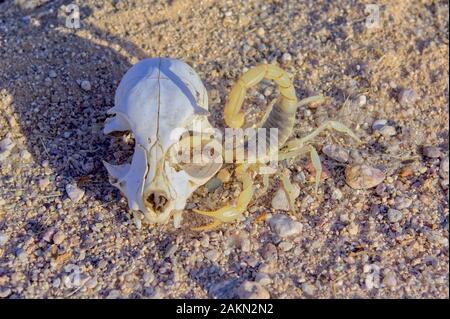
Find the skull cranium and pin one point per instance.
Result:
(158, 100)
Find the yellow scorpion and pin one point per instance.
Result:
(282, 116)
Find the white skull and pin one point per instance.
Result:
(154, 98)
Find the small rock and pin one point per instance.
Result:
(402, 202)
(74, 193)
(6, 146)
(388, 131)
(435, 237)
(363, 176)
(308, 289)
(432, 151)
(444, 168)
(113, 294)
(92, 283)
(252, 290)
(85, 85)
(390, 279)
(213, 184)
(379, 124)
(212, 255)
(149, 277)
(269, 252)
(353, 229)
(263, 278)
(3, 239)
(407, 97)
(286, 58)
(22, 255)
(48, 235)
(280, 200)
(5, 292)
(362, 100)
(284, 226)
(25, 155)
(286, 246)
(394, 215)
(58, 237)
(260, 32)
(43, 183)
(52, 74)
(224, 175)
(337, 194)
(336, 152)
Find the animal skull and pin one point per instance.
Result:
(158, 100)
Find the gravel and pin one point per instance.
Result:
(390, 80)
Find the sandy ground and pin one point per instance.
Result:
(389, 241)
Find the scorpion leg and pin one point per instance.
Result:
(299, 146)
(231, 213)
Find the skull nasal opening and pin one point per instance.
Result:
(157, 202)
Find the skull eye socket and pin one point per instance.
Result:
(199, 161)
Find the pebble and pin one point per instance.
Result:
(74, 192)
(263, 278)
(407, 97)
(388, 131)
(394, 215)
(213, 255)
(25, 155)
(308, 289)
(269, 252)
(149, 277)
(260, 32)
(252, 290)
(86, 85)
(5, 292)
(3, 239)
(280, 200)
(444, 168)
(213, 184)
(286, 246)
(435, 237)
(353, 229)
(113, 294)
(43, 183)
(284, 226)
(22, 255)
(224, 175)
(92, 283)
(286, 58)
(6, 146)
(363, 176)
(337, 194)
(362, 100)
(52, 74)
(390, 280)
(379, 124)
(432, 151)
(58, 237)
(48, 235)
(401, 202)
(336, 152)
